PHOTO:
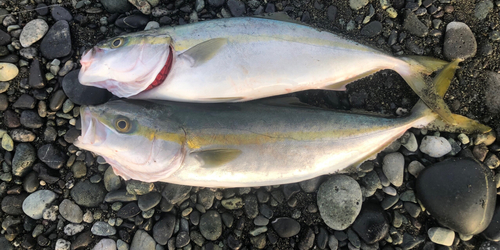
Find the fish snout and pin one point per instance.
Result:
(88, 56)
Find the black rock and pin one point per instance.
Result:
(12, 58)
(174, 193)
(286, 227)
(57, 41)
(331, 12)
(52, 156)
(128, 211)
(10, 119)
(182, 239)
(31, 119)
(372, 223)
(35, 77)
(163, 229)
(4, 38)
(372, 29)
(414, 25)
(23, 159)
(57, 100)
(81, 94)
(206, 198)
(233, 242)
(492, 232)
(236, 7)
(12, 204)
(4, 103)
(42, 9)
(149, 200)
(270, 8)
(82, 240)
(71, 135)
(60, 13)
(307, 242)
(251, 206)
(213, 3)
(25, 101)
(211, 225)
(116, 6)
(132, 22)
(30, 182)
(290, 189)
(322, 238)
(460, 193)
(88, 194)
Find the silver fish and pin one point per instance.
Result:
(241, 59)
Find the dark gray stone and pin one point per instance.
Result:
(128, 211)
(81, 94)
(286, 227)
(460, 193)
(88, 194)
(116, 6)
(413, 25)
(4, 38)
(31, 119)
(149, 200)
(132, 22)
(52, 156)
(57, 41)
(23, 160)
(60, 13)
(372, 223)
(12, 204)
(35, 78)
(211, 225)
(174, 193)
(236, 7)
(459, 41)
(372, 29)
(25, 101)
(57, 100)
(163, 229)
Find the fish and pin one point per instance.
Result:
(242, 59)
(258, 143)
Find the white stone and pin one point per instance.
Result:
(142, 241)
(62, 244)
(442, 236)
(393, 168)
(8, 71)
(33, 31)
(435, 146)
(35, 203)
(72, 229)
(50, 213)
(415, 167)
(105, 244)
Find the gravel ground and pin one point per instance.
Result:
(428, 190)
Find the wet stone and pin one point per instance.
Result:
(57, 41)
(88, 194)
(11, 119)
(163, 229)
(23, 160)
(286, 227)
(25, 101)
(102, 228)
(211, 225)
(132, 22)
(36, 203)
(372, 223)
(52, 156)
(12, 204)
(35, 79)
(30, 119)
(60, 13)
(70, 211)
(72, 135)
(148, 201)
(30, 182)
(128, 211)
(492, 232)
(57, 100)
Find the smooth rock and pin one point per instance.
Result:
(33, 31)
(7, 143)
(492, 232)
(60, 13)
(435, 146)
(372, 29)
(413, 25)
(372, 224)
(73, 229)
(70, 211)
(35, 78)
(415, 167)
(35, 203)
(174, 193)
(112, 181)
(163, 229)
(286, 227)
(52, 156)
(116, 6)
(101, 228)
(442, 236)
(81, 94)
(23, 160)
(132, 22)
(459, 41)
(62, 244)
(142, 241)
(12, 204)
(139, 187)
(57, 41)
(357, 4)
(57, 100)
(483, 8)
(216, 3)
(25, 101)
(211, 225)
(393, 167)
(30, 119)
(460, 193)
(88, 194)
(30, 182)
(128, 211)
(4, 37)
(149, 201)
(8, 71)
(236, 7)
(339, 201)
(492, 91)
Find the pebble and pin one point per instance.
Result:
(33, 31)
(116, 6)
(410, 142)
(286, 227)
(60, 13)
(62, 244)
(8, 71)
(30, 182)
(11, 119)
(52, 156)
(483, 8)
(492, 91)
(128, 211)
(435, 146)
(357, 4)
(236, 7)
(442, 236)
(35, 203)
(372, 224)
(174, 193)
(216, 3)
(132, 22)
(413, 25)
(57, 41)
(4, 37)
(492, 232)
(142, 241)
(25, 101)
(459, 41)
(339, 201)
(23, 160)
(30, 119)
(459, 193)
(7, 143)
(149, 201)
(88, 194)
(372, 29)
(101, 228)
(70, 211)
(81, 94)
(163, 229)
(57, 100)
(73, 229)
(415, 167)
(393, 167)
(111, 180)
(138, 187)
(12, 204)
(211, 225)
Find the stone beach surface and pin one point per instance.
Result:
(427, 190)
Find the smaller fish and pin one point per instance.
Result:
(242, 59)
(244, 144)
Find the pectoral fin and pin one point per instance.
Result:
(216, 157)
(204, 51)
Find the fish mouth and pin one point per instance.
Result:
(93, 131)
(162, 75)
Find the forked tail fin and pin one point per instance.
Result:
(425, 117)
(415, 72)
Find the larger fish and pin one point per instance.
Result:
(239, 144)
(241, 59)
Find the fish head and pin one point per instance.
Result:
(126, 65)
(133, 139)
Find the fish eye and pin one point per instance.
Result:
(117, 42)
(122, 125)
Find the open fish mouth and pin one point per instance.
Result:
(93, 131)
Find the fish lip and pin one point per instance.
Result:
(93, 132)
